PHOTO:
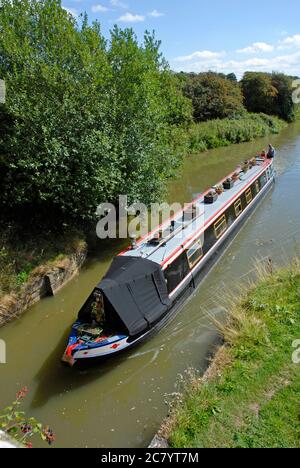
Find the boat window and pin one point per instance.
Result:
(249, 196)
(257, 186)
(195, 253)
(176, 272)
(220, 226)
(263, 180)
(238, 208)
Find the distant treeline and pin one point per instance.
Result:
(87, 118)
(217, 96)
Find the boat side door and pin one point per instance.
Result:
(176, 273)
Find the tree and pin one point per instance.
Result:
(258, 91)
(213, 96)
(269, 93)
(232, 77)
(85, 119)
(54, 74)
(283, 105)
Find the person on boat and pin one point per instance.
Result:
(263, 154)
(98, 314)
(271, 152)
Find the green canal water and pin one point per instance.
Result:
(122, 403)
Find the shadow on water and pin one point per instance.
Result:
(56, 378)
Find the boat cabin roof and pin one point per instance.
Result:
(136, 289)
(186, 232)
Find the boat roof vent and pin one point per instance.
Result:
(211, 197)
(159, 237)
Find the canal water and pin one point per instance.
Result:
(122, 403)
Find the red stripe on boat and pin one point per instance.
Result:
(202, 229)
(70, 349)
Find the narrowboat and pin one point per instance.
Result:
(147, 283)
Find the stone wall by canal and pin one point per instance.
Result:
(44, 281)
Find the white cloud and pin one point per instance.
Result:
(257, 47)
(203, 54)
(71, 11)
(156, 14)
(289, 63)
(290, 42)
(130, 18)
(99, 8)
(118, 3)
(283, 56)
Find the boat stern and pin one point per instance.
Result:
(73, 343)
(101, 347)
(67, 359)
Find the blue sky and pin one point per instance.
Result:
(220, 35)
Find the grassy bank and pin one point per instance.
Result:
(250, 395)
(21, 252)
(218, 133)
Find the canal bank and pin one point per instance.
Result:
(248, 398)
(44, 281)
(122, 403)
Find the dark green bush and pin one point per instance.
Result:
(213, 95)
(270, 93)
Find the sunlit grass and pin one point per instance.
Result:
(250, 396)
(218, 133)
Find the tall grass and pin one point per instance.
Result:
(218, 133)
(250, 395)
(297, 112)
